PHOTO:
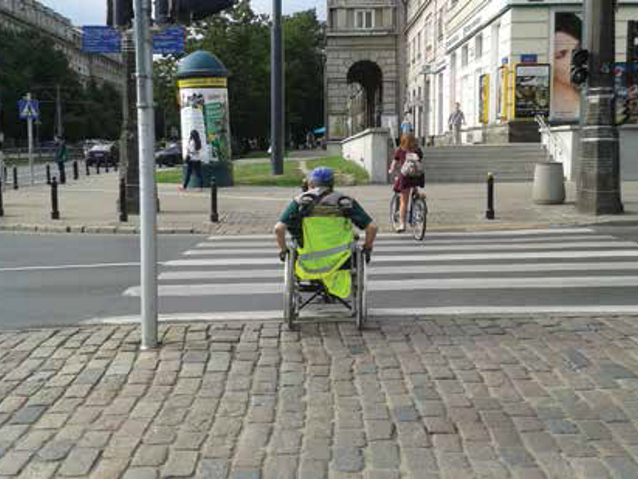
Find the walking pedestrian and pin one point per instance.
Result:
(194, 160)
(455, 122)
(61, 157)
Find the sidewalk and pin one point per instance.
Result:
(457, 398)
(89, 205)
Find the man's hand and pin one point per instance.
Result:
(282, 255)
(367, 254)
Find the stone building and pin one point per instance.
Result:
(364, 66)
(31, 14)
(504, 61)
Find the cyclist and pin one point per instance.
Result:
(328, 250)
(408, 157)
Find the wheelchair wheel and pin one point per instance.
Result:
(290, 293)
(419, 218)
(395, 219)
(360, 293)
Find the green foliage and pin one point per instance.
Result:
(241, 40)
(31, 63)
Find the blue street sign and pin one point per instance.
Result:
(170, 41)
(529, 58)
(100, 39)
(29, 109)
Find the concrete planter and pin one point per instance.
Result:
(549, 184)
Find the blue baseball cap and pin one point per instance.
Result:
(322, 176)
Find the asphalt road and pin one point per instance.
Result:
(48, 280)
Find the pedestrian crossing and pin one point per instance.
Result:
(552, 270)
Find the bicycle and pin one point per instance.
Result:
(416, 216)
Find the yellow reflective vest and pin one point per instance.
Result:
(328, 239)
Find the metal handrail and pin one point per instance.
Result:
(554, 143)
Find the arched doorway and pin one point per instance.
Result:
(365, 102)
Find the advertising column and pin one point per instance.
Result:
(205, 126)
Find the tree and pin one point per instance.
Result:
(241, 40)
(30, 63)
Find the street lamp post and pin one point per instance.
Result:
(598, 188)
(277, 92)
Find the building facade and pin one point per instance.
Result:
(31, 14)
(364, 77)
(503, 61)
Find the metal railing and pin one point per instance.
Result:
(554, 142)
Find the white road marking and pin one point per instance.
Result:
(436, 269)
(379, 313)
(243, 289)
(387, 242)
(433, 234)
(428, 248)
(70, 267)
(416, 258)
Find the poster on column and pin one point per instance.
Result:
(205, 111)
(531, 91)
(568, 34)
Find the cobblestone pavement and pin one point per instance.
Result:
(522, 397)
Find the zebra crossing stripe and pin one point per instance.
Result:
(239, 245)
(430, 248)
(407, 269)
(243, 289)
(420, 258)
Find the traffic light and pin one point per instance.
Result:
(580, 66)
(188, 11)
(119, 13)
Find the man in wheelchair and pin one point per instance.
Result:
(320, 221)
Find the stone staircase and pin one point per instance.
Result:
(511, 162)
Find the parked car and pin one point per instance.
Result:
(103, 154)
(169, 156)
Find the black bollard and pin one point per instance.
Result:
(15, 177)
(1, 201)
(88, 168)
(76, 171)
(97, 168)
(48, 174)
(489, 214)
(214, 216)
(4, 174)
(123, 205)
(55, 211)
(106, 167)
(115, 166)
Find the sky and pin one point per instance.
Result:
(93, 12)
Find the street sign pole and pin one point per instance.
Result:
(277, 92)
(30, 136)
(148, 213)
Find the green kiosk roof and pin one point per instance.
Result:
(201, 64)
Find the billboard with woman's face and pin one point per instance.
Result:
(568, 34)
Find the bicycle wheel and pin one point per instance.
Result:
(419, 218)
(361, 292)
(395, 219)
(290, 293)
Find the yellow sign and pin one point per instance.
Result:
(484, 106)
(203, 83)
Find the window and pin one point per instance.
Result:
(439, 25)
(364, 19)
(465, 56)
(418, 46)
(478, 46)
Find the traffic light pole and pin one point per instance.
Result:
(146, 130)
(598, 188)
(277, 92)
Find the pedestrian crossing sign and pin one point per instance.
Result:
(29, 109)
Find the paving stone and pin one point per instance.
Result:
(79, 462)
(141, 473)
(516, 457)
(147, 455)
(347, 459)
(383, 455)
(180, 464)
(13, 461)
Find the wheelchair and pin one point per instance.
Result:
(299, 294)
